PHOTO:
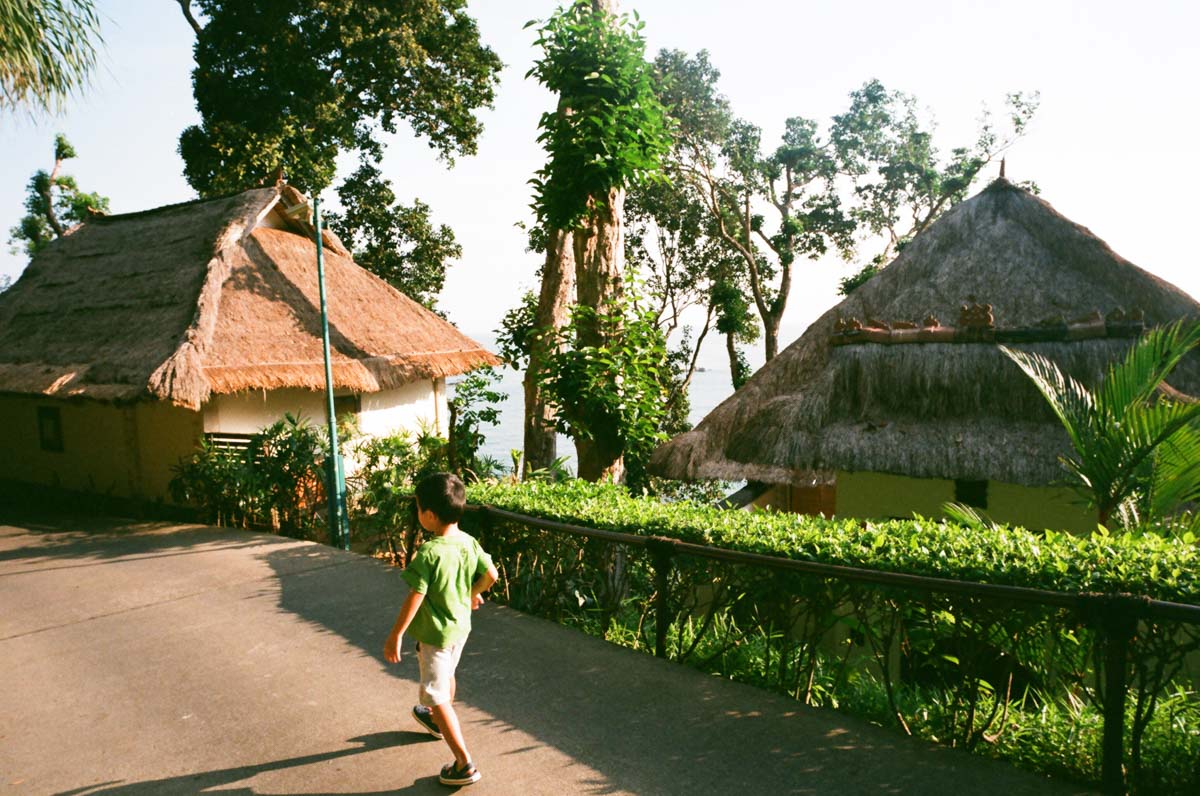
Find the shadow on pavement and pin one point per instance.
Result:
(646, 725)
(203, 782)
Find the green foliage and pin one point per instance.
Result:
(381, 487)
(395, 242)
(277, 481)
(851, 283)
(1137, 454)
(1162, 568)
(616, 386)
(514, 338)
(53, 202)
(291, 85)
(1008, 680)
(901, 182)
(475, 403)
(47, 50)
(609, 130)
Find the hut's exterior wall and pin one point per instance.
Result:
(798, 499)
(1039, 507)
(118, 450)
(380, 414)
(879, 495)
(165, 435)
(410, 407)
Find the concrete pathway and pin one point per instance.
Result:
(163, 659)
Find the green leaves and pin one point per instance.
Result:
(1003, 555)
(396, 242)
(53, 203)
(609, 129)
(47, 50)
(1137, 453)
(619, 386)
(294, 84)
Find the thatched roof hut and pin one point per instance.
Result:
(904, 376)
(208, 297)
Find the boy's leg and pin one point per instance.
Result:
(438, 687)
(447, 722)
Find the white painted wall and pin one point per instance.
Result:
(410, 407)
(381, 413)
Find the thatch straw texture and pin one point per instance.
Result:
(188, 300)
(936, 410)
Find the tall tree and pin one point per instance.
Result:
(673, 237)
(796, 184)
(47, 50)
(392, 240)
(53, 202)
(607, 132)
(290, 86)
(900, 183)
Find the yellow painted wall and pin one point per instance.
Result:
(118, 450)
(166, 434)
(1039, 507)
(95, 456)
(878, 495)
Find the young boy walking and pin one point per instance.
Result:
(446, 578)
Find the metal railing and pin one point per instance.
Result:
(1116, 616)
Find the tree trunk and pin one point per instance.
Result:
(771, 334)
(599, 265)
(557, 294)
(735, 362)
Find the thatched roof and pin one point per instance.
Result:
(207, 297)
(956, 409)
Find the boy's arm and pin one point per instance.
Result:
(482, 584)
(391, 647)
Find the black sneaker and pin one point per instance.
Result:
(452, 774)
(424, 717)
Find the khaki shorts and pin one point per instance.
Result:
(437, 672)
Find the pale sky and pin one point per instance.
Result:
(1112, 146)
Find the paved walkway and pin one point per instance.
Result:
(165, 659)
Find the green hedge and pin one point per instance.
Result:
(1148, 565)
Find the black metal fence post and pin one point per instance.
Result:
(662, 550)
(1116, 618)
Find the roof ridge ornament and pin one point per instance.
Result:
(976, 324)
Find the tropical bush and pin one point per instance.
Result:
(1136, 446)
(276, 481)
(1001, 678)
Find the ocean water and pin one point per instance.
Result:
(709, 387)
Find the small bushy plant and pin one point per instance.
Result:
(276, 481)
(1003, 679)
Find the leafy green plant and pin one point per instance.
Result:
(615, 133)
(276, 481)
(381, 488)
(615, 387)
(1000, 678)
(53, 202)
(1137, 452)
(475, 404)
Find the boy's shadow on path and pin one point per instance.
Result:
(205, 781)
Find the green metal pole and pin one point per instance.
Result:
(339, 526)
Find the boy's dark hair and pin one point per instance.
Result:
(444, 494)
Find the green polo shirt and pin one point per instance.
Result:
(444, 569)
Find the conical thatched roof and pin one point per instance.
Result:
(208, 297)
(954, 409)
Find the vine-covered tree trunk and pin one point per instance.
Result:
(557, 295)
(599, 263)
